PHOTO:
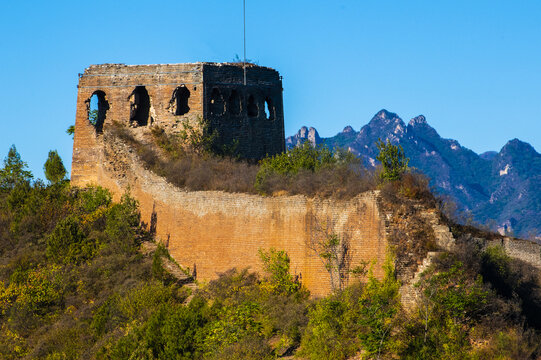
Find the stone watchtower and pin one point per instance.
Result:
(142, 96)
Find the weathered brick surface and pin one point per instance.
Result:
(527, 251)
(256, 134)
(216, 231)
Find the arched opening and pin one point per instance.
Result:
(180, 98)
(233, 104)
(139, 106)
(97, 110)
(269, 109)
(217, 105)
(252, 108)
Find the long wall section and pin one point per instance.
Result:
(216, 231)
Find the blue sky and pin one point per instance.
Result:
(473, 68)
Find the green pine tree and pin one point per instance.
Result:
(393, 160)
(13, 172)
(54, 168)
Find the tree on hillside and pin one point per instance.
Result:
(393, 160)
(13, 172)
(54, 168)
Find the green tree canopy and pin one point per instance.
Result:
(13, 172)
(393, 160)
(54, 168)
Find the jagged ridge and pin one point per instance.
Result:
(500, 189)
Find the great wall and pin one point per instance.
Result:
(213, 231)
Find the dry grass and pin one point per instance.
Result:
(196, 171)
(338, 181)
(204, 171)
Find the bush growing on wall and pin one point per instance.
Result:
(313, 171)
(304, 157)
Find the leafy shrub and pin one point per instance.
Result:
(122, 222)
(359, 318)
(169, 333)
(171, 144)
(511, 343)
(158, 271)
(512, 280)
(309, 171)
(380, 304)
(247, 348)
(137, 304)
(276, 264)
(68, 244)
(92, 198)
(304, 157)
(233, 324)
(451, 303)
(313, 171)
(36, 294)
(333, 326)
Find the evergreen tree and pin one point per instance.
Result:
(54, 168)
(13, 172)
(393, 160)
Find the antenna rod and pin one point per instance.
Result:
(244, 22)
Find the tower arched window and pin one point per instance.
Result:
(217, 105)
(181, 96)
(269, 109)
(139, 106)
(97, 110)
(251, 107)
(233, 104)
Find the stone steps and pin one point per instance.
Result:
(188, 281)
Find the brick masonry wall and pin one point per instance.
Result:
(524, 250)
(217, 231)
(118, 82)
(256, 135)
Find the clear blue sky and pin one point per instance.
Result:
(473, 68)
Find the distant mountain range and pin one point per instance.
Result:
(499, 189)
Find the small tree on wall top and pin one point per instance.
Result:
(393, 160)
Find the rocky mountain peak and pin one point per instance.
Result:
(418, 120)
(383, 123)
(420, 127)
(384, 116)
(347, 130)
(304, 134)
(517, 147)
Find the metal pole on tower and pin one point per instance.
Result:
(244, 23)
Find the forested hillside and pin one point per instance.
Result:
(75, 284)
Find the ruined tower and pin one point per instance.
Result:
(143, 96)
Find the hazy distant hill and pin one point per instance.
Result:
(500, 189)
